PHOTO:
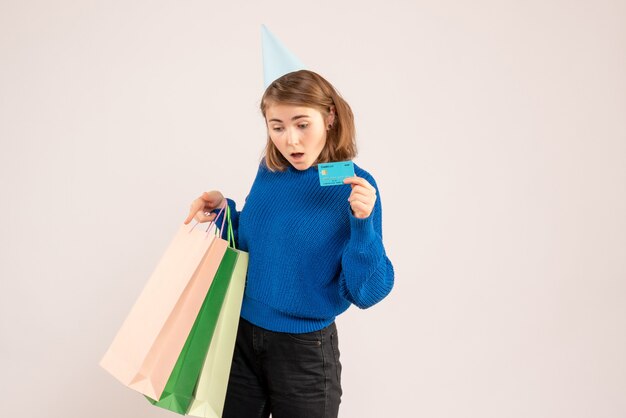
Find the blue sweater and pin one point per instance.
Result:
(310, 258)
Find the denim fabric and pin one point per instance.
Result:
(287, 375)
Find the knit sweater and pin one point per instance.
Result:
(309, 257)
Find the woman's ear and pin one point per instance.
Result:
(330, 119)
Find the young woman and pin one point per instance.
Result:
(313, 251)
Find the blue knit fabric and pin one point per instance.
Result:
(310, 258)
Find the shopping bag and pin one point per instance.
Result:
(147, 346)
(178, 392)
(210, 392)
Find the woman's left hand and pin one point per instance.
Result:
(362, 198)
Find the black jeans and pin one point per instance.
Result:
(287, 375)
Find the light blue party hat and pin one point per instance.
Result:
(277, 59)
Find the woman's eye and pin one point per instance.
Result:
(277, 128)
(303, 125)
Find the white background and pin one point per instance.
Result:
(496, 131)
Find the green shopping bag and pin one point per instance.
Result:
(210, 392)
(178, 393)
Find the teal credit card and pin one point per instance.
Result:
(332, 174)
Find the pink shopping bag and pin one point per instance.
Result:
(146, 348)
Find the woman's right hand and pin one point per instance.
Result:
(201, 207)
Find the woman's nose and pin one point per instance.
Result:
(293, 138)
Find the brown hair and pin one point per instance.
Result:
(306, 88)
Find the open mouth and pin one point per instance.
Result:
(297, 155)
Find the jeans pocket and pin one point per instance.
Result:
(308, 338)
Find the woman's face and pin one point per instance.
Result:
(298, 132)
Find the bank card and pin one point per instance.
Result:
(332, 174)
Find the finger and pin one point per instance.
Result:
(359, 181)
(357, 202)
(353, 180)
(212, 199)
(208, 199)
(202, 216)
(363, 190)
(196, 206)
(359, 205)
(361, 209)
(363, 193)
(366, 199)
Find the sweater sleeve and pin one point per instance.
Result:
(367, 275)
(234, 219)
